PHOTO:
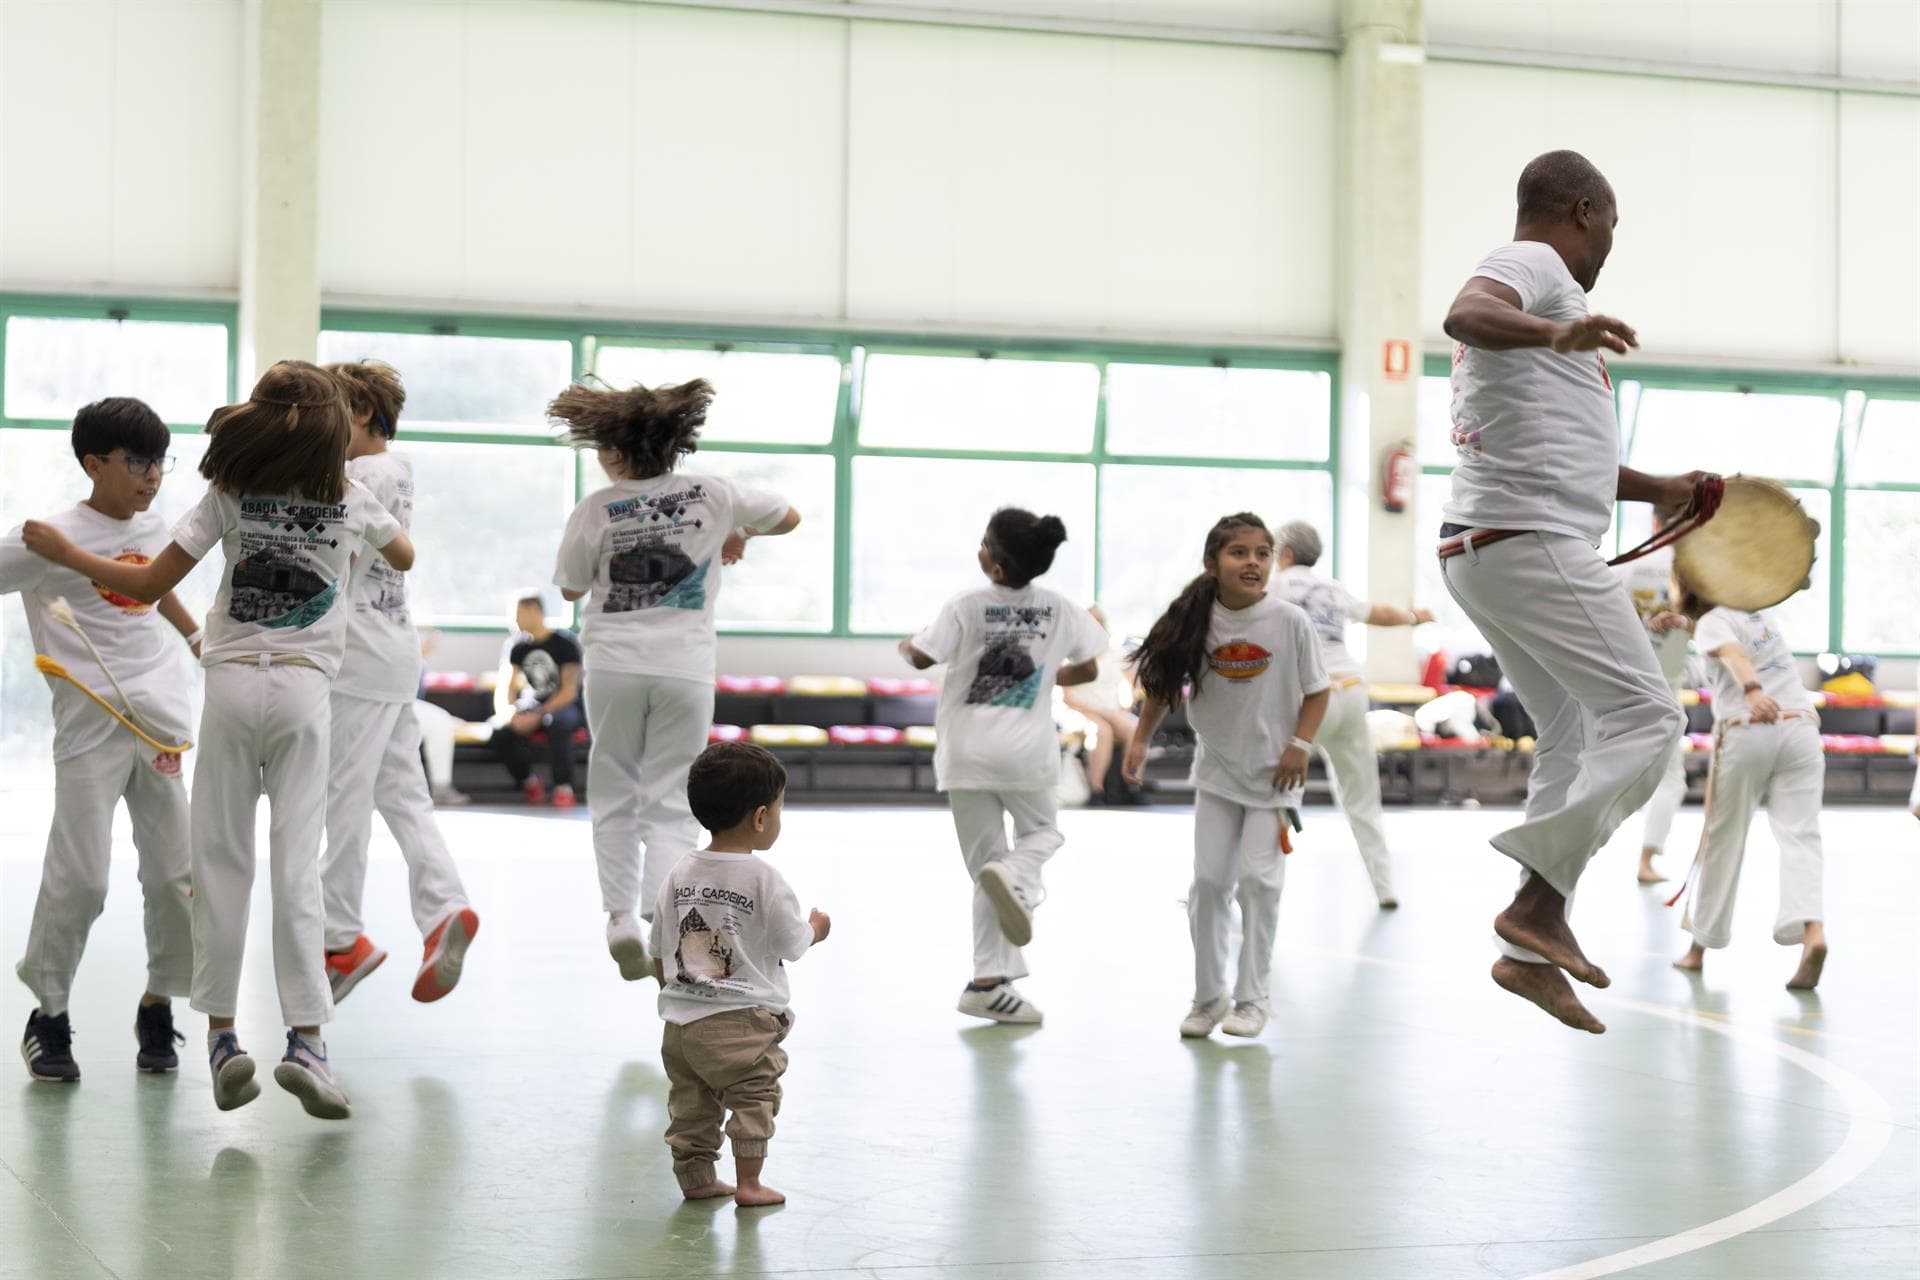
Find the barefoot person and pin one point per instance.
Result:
(1648, 581)
(1533, 494)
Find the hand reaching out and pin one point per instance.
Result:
(734, 549)
(1590, 333)
(1667, 620)
(46, 541)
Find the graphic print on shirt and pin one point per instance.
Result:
(1465, 435)
(1239, 660)
(1322, 604)
(273, 585)
(1008, 676)
(648, 568)
(1764, 649)
(711, 921)
(542, 673)
(126, 604)
(386, 586)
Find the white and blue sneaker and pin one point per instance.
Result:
(1001, 1002)
(304, 1074)
(233, 1082)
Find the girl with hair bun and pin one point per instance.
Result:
(998, 752)
(280, 505)
(1248, 666)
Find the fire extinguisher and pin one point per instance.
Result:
(1396, 478)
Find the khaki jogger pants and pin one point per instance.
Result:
(730, 1061)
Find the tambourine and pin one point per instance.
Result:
(1756, 550)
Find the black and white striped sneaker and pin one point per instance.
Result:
(1001, 1002)
(47, 1049)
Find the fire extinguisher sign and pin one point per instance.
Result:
(1396, 359)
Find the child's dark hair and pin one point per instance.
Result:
(372, 387)
(729, 781)
(1687, 602)
(1022, 543)
(288, 436)
(119, 422)
(1174, 654)
(651, 428)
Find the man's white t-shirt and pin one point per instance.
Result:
(1329, 607)
(1004, 647)
(648, 553)
(1535, 430)
(382, 662)
(1265, 661)
(723, 925)
(288, 560)
(139, 645)
(1766, 649)
(1649, 583)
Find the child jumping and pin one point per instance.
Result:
(647, 552)
(280, 506)
(122, 446)
(1249, 666)
(375, 738)
(997, 754)
(724, 926)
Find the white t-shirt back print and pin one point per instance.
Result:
(1264, 660)
(1004, 647)
(723, 926)
(1536, 434)
(1329, 607)
(382, 661)
(287, 564)
(647, 552)
(1766, 648)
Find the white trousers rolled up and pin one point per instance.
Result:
(1236, 854)
(647, 731)
(436, 741)
(1354, 771)
(73, 880)
(1782, 766)
(263, 731)
(1667, 799)
(1578, 656)
(980, 821)
(375, 749)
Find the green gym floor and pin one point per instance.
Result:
(1400, 1117)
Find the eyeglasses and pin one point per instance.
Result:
(139, 466)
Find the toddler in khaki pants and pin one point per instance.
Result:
(723, 927)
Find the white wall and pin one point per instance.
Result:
(1300, 17)
(120, 144)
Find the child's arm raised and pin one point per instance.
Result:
(1152, 712)
(144, 582)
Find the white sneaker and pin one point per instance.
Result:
(448, 797)
(233, 1082)
(1203, 1018)
(1011, 903)
(1001, 1003)
(1249, 1018)
(304, 1074)
(628, 946)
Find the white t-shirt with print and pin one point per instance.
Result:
(1004, 647)
(1535, 430)
(1649, 583)
(648, 553)
(723, 925)
(139, 645)
(1760, 639)
(288, 560)
(382, 660)
(1265, 661)
(1329, 607)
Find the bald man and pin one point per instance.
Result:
(1533, 493)
(1343, 740)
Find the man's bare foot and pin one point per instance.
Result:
(1813, 958)
(1547, 987)
(753, 1194)
(1537, 922)
(1389, 904)
(712, 1191)
(1694, 961)
(1650, 874)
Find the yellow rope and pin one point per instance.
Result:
(48, 667)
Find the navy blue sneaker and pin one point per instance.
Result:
(47, 1049)
(153, 1027)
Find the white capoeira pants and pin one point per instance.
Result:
(375, 747)
(263, 730)
(1354, 771)
(980, 820)
(647, 731)
(1782, 765)
(1667, 799)
(1236, 854)
(1568, 639)
(87, 788)
(435, 724)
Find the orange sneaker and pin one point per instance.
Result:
(534, 790)
(563, 798)
(446, 951)
(346, 968)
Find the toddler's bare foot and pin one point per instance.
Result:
(1694, 961)
(1547, 987)
(712, 1191)
(1813, 957)
(1537, 921)
(754, 1193)
(1650, 874)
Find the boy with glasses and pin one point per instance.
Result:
(122, 446)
